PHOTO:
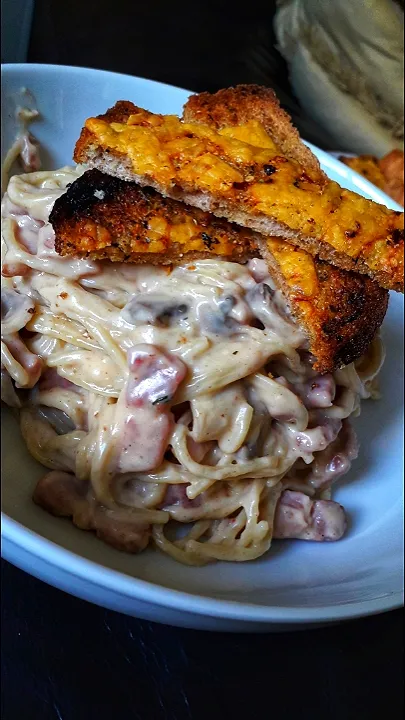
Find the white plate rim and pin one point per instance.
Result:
(149, 592)
(57, 556)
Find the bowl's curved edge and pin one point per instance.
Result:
(33, 67)
(14, 535)
(132, 588)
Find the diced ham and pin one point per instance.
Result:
(318, 392)
(143, 439)
(259, 269)
(29, 154)
(50, 379)
(62, 494)
(14, 269)
(316, 438)
(335, 460)
(298, 516)
(144, 420)
(177, 495)
(154, 375)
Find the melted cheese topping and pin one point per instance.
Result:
(257, 178)
(297, 267)
(154, 229)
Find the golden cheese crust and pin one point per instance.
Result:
(102, 217)
(334, 306)
(340, 311)
(243, 103)
(251, 183)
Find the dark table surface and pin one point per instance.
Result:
(63, 658)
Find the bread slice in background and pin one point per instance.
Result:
(386, 173)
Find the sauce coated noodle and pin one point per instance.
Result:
(158, 399)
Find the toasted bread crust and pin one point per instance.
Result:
(239, 105)
(102, 217)
(341, 316)
(340, 311)
(253, 187)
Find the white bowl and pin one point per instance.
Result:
(296, 583)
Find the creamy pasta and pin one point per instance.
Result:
(178, 406)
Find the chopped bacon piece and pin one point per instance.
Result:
(62, 494)
(143, 408)
(297, 516)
